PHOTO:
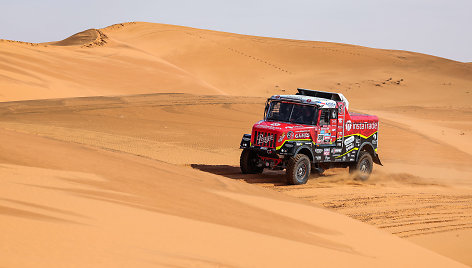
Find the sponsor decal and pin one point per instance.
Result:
(331, 104)
(303, 135)
(344, 158)
(318, 151)
(282, 137)
(349, 140)
(318, 157)
(327, 158)
(275, 124)
(320, 138)
(337, 159)
(266, 139)
(290, 135)
(268, 127)
(338, 150)
(341, 108)
(348, 125)
(349, 146)
(360, 126)
(340, 120)
(326, 152)
(374, 136)
(365, 126)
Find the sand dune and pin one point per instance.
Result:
(79, 207)
(188, 60)
(126, 154)
(410, 197)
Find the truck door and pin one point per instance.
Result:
(328, 126)
(333, 123)
(341, 121)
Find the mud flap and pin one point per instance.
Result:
(376, 159)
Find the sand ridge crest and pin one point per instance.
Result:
(21, 43)
(141, 57)
(87, 38)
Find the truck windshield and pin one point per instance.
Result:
(292, 113)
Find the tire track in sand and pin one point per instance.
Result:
(418, 212)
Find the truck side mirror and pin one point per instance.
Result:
(334, 114)
(266, 109)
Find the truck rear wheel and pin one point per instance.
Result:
(298, 169)
(363, 167)
(248, 162)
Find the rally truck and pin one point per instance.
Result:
(311, 131)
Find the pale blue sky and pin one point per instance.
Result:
(437, 27)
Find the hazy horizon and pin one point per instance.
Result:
(430, 27)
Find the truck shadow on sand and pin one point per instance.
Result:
(275, 177)
(331, 178)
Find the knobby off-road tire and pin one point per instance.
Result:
(363, 167)
(248, 162)
(298, 169)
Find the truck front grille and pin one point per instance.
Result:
(264, 139)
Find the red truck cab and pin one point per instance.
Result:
(311, 131)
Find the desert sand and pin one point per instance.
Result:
(119, 147)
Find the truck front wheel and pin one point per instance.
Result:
(298, 169)
(248, 162)
(363, 167)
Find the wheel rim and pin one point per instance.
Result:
(253, 162)
(364, 168)
(301, 171)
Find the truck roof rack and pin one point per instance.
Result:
(320, 94)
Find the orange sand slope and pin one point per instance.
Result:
(135, 58)
(78, 207)
(423, 193)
